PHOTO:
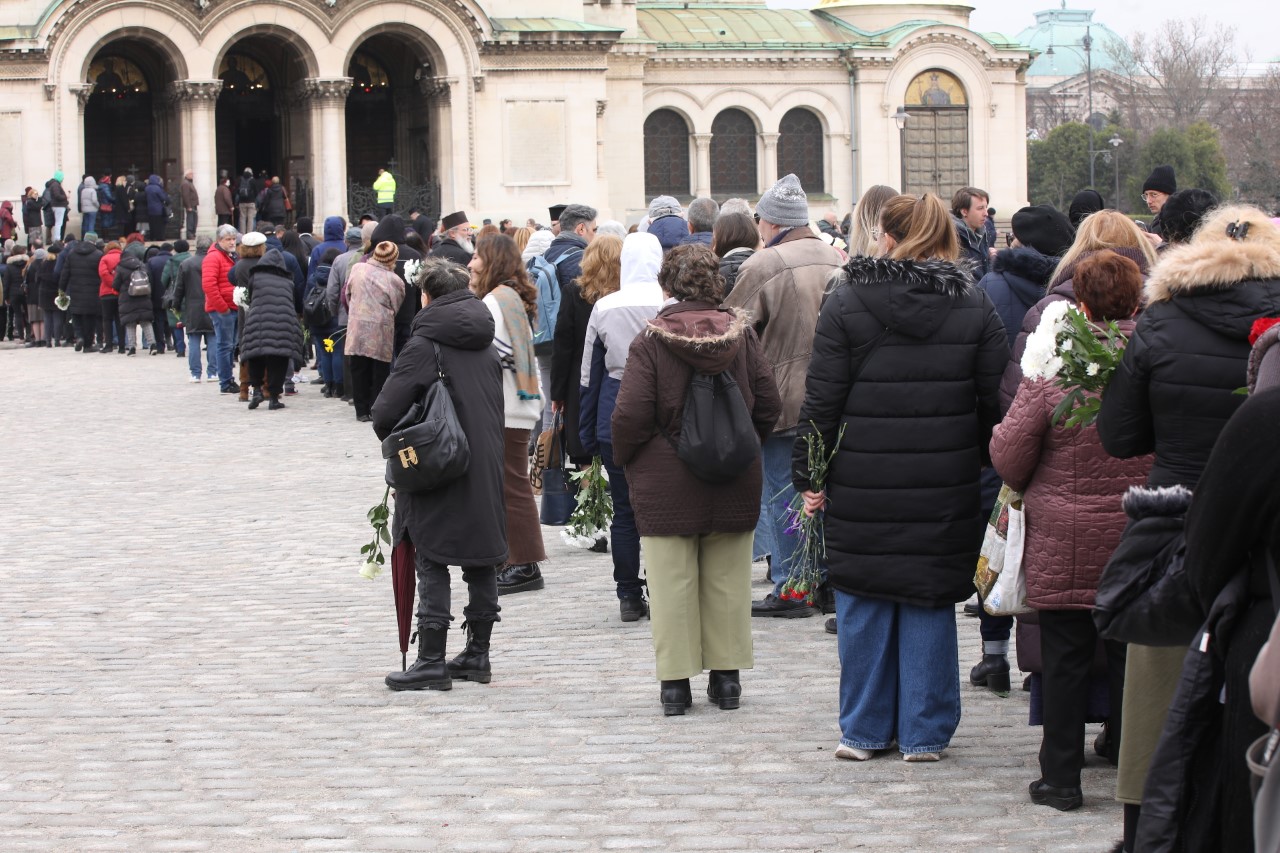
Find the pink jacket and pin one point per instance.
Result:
(373, 295)
(1071, 493)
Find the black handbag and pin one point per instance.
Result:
(428, 448)
(559, 492)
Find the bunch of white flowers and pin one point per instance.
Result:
(240, 296)
(411, 270)
(1040, 360)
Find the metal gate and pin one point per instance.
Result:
(362, 199)
(937, 151)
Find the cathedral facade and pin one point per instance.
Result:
(475, 105)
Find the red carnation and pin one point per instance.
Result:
(1259, 326)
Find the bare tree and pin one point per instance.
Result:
(1183, 71)
(1250, 141)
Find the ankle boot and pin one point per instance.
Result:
(473, 663)
(992, 673)
(255, 399)
(275, 403)
(430, 671)
(676, 697)
(724, 688)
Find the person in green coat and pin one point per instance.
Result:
(168, 279)
(385, 186)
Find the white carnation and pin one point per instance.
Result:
(1092, 369)
(1055, 313)
(240, 296)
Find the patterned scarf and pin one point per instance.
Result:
(521, 334)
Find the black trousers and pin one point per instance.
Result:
(157, 226)
(366, 379)
(87, 328)
(434, 598)
(1068, 643)
(111, 322)
(274, 367)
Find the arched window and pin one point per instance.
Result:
(733, 154)
(666, 154)
(800, 149)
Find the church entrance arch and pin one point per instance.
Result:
(936, 143)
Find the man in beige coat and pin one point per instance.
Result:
(782, 286)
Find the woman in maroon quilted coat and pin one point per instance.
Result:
(1071, 493)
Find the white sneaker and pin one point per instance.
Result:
(853, 753)
(194, 380)
(298, 379)
(921, 756)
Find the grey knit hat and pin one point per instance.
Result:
(354, 236)
(664, 205)
(785, 203)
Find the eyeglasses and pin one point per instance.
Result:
(1151, 195)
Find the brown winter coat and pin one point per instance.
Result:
(782, 287)
(667, 498)
(187, 192)
(1071, 494)
(223, 204)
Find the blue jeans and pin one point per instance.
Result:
(87, 221)
(330, 363)
(224, 337)
(775, 494)
(899, 677)
(624, 539)
(194, 341)
(179, 339)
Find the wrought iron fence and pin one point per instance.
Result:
(362, 199)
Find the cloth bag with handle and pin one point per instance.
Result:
(1008, 596)
(550, 475)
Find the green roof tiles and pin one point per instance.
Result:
(737, 27)
(548, 25)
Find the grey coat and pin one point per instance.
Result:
(271, 327)
(188, 296)
(337, 278)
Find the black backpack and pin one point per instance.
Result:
(718, 440)
(316, 308)
(244, 191)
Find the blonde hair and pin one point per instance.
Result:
(521, 236)
(866, 219)
(1213, 227)
(1106, 229)
(601, 268)
(922, 227)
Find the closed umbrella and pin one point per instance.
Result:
(403, 577)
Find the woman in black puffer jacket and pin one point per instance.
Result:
(734, 239)
(908, 356)
(135, 309)
(272, 331)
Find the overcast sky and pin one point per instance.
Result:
(1124, 16)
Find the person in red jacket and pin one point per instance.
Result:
(109, 299)
(219, 302)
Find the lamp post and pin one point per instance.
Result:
(1116, 142)
(1087, 43)
(900, 119)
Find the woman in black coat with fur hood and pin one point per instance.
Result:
(907, 357)
(272, 331)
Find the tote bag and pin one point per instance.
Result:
(1008, 596)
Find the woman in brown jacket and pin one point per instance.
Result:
(696, 536)
(1072, 490)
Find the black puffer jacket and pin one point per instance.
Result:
(462, 522)
(271, 327)
(133, 309)
(188, 296)
(729, 265)
(566, 361)
(904, 519)
(1018, 280)
(392, 230)
(79, 278)
(1175, 388)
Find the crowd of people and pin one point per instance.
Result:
(895, 336)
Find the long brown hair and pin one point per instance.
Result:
(601, 268)
(502, 265)
(921, 226)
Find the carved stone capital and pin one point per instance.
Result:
(702, 140)
(329, 91)
(478, 82)
(195, 91)
(437, 89)
(770, 140)
(50, 89)
(601, 106)
(82, 91)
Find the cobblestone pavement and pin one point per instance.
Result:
(189, 661)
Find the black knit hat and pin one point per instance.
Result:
(1044, 228)
(1085, 203)
(1161, 180)
(1183, 211)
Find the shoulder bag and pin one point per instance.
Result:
(428, 448)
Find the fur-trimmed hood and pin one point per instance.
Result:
(911, 297)
(1151, 502)
(700, 334)
(1214, 262)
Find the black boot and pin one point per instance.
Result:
(275, 403)
(724, 688)
(676, 697)
(255, 398)
(473, 663)
(992, 673)
(430, 671)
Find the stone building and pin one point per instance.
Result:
(474, 105)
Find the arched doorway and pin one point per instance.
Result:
(936, 139)
(262, 122)
(391, 122)
(129, 125)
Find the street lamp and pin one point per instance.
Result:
(1087, 43)
(1115, 141)
(900, 119)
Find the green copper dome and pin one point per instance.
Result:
(1060, 36)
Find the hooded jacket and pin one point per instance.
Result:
(7, 223)
(133, 309)
(107, 273)
(1071, 489)
(271, 325)
(79, 277)
(904, 518)
(334, 231)
(781, 287)
(671, 231)
(730, 264)
(462, 522)
(1175, 387)
(215, 279)
(188, 296)
(56, 194)
(688, 337)
(615, 321)
(156, 196)
(1061, 287)
(1019, 278)
(373, 295)
(89, 196)
(392, 230)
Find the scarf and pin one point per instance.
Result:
(521, 334)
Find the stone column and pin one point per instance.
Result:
(196, 101)
(328, 99)
(74, 166)
(702, 165)
(769, 168)
(438, 92)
